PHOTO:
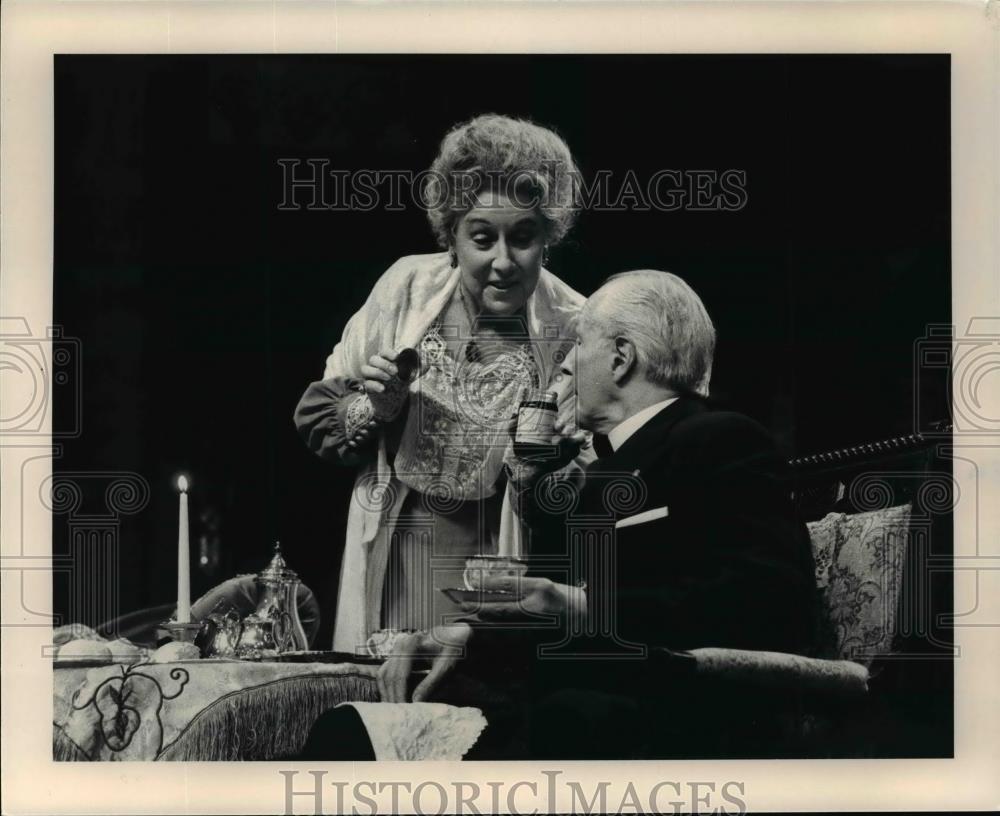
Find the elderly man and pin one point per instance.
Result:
(704, 552)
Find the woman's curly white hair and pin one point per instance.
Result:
(531, 164)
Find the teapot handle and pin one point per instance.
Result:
(283, 631)
(235, 623)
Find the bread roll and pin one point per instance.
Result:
(73, 631)
(124, 648)
(175, 651)
(84, 649)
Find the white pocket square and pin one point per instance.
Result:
(643, 517)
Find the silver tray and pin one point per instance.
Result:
(90, 662)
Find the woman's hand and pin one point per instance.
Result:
(538, 596)
(385, 389)
(442, 645)
(363, 436)
(379, 370)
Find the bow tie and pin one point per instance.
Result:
(602, 446)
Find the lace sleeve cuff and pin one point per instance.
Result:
(329, 417)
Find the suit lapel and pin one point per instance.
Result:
(646, 444)
(640, 450)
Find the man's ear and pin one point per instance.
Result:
(624, 361)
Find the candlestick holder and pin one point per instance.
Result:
(181, 632)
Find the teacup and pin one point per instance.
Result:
(479, 566)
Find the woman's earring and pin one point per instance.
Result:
(545, 255)
(453, 256)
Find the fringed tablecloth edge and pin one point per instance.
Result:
(279, 723)
(65, 749)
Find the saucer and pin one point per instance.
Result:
(462, 595)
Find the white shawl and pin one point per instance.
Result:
(403, 304)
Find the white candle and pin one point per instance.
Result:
(509, 539)
(183, 557)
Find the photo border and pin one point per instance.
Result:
(32, 32)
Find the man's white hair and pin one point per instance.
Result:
(665, 320)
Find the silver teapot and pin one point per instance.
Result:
(221, 631)
(274, 628)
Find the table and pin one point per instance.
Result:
(213, 709)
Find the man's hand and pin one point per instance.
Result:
(443, 646)
(538, 596)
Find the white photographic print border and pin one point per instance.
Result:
(32, 32)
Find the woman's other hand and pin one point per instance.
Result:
(444, 646)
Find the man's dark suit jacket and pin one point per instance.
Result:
(706, 553)
(728, 564)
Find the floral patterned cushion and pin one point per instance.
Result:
(859, 562)
(823, 534)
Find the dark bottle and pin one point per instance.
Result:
(407, 364)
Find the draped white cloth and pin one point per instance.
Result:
(420, 731)
(402, 306)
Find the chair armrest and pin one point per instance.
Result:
(778, 670)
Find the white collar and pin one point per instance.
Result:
(623, 430)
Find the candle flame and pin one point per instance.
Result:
(182, 484)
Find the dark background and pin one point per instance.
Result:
(204, 311)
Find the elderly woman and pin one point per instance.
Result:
(431, 431)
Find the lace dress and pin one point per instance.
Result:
(451, 454)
